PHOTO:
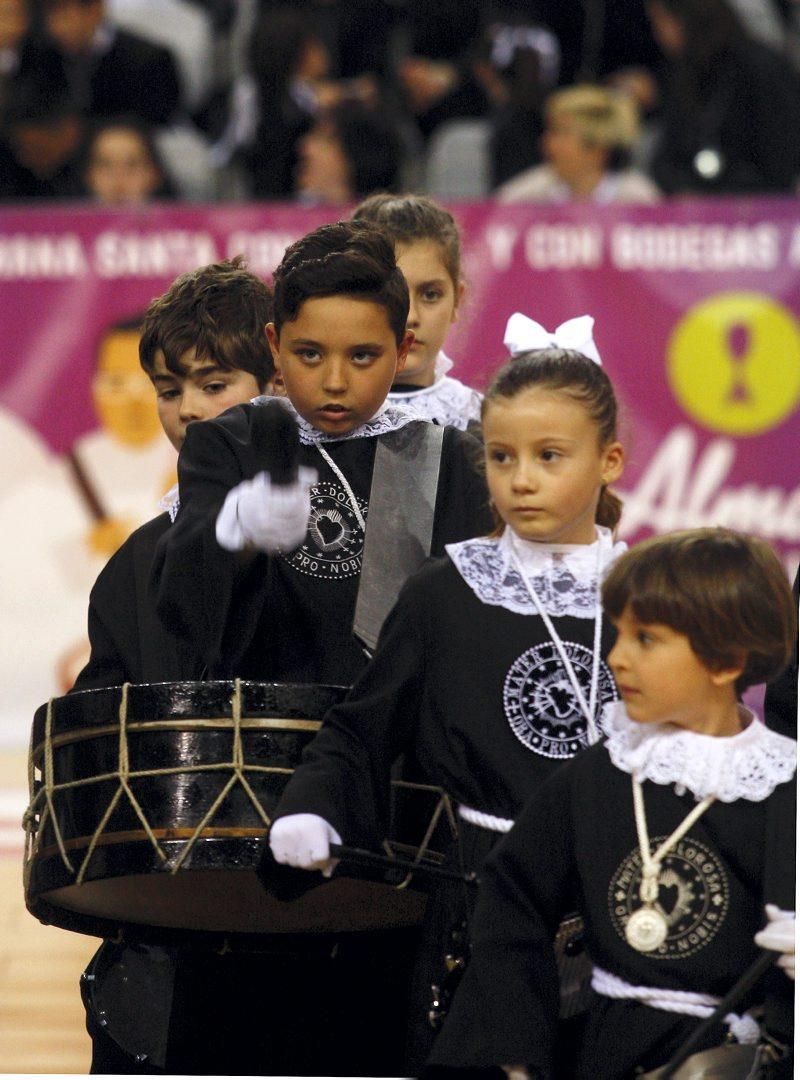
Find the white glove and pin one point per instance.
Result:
(304, 840)
(778, 934)
(267, 516)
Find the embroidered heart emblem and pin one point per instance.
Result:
(331, 532)
(668, 898)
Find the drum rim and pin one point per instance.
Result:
(189, 723)
(170, 699)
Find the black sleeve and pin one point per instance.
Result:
(345, 773)
(105, 666)
(774, 91)
(204, 594)
(780, 699)
(506, 1009)
(136, 76)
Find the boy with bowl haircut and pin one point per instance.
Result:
(284, 609)
(674, 839)
(203, 345)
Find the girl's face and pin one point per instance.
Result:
(544, 465)
(323, 170)
(121, 171)
(434, 306)
(567, 152)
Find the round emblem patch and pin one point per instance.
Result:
(540, 703)
(334, 542)
(692, 896)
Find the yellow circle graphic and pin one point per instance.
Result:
(733, 363)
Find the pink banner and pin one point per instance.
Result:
(697, 309)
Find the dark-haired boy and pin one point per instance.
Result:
(270, 582)
(286, 610)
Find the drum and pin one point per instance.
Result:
(150, 807)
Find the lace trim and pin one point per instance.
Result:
(566, 578)
(447, 401)
(443, 364)
(171, 502)
(749, 765)
(390, 418)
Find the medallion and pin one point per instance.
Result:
(646, 929)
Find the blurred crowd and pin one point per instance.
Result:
(324, 102)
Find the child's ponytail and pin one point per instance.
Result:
(609, 509)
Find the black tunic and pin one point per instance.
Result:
(472, 693)
(128, 641)
(575, 845)
(287, 617)
(472, 689)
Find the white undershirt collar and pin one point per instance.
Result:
(748, 765)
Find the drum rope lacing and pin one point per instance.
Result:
(43, 802)
(49, 789)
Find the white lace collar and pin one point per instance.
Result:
(389, 417)
(565, 574)
(446, 401)
(171, 502)
(749, 765)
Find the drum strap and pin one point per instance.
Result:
(402, 502)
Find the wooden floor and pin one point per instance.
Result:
(41, 1015)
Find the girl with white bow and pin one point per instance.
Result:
(490, 671)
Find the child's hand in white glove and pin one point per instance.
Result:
(269, 517)
(778, 934)
(304, 840)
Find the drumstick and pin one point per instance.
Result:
(762, 963)
(373, 858)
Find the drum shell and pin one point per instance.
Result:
(184, 737)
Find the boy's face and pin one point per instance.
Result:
(202, 392)
(338, 359)
(663, 681)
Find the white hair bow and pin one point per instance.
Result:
(523, 334)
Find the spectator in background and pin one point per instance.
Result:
(589, 134)
(41, 132)
(517, 62)
(18, 51)
(276, 103)
(352, 151)
(731, 105)
(121, 164)
(110, 71)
